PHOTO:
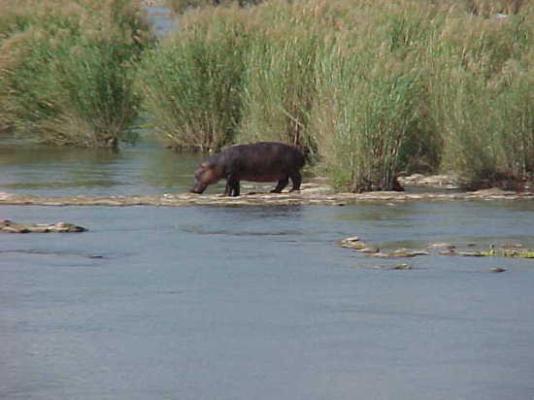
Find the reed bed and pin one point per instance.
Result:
(192, 83)
(373, 89)
(66, 69)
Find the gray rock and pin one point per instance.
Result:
(8, 226)
(369, 250)
(442, 246)
(397, 267)
(470, 253)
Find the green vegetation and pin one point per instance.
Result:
(372, 88)
(66, 69)
(192, 84)
(507, 252)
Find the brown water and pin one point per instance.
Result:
(251, 302)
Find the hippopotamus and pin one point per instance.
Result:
(257, 162)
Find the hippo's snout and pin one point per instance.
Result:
(198, 188)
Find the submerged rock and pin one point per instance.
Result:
(8, 226)
(397, 267)
(380, 255)
(443, 246)
(353, 242)
(512, 246)
(470, 253)
(513, 251)
(447, 252)
(369, 250)
(402, 267)
(400, 253)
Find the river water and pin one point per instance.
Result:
(233, 303)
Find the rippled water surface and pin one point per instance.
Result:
(252, 302)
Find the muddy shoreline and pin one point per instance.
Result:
(310, 195)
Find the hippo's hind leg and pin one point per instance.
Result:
(236, 189)
(296, 179)
(227, 189)
(282, 183)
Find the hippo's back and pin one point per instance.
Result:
(264, 157)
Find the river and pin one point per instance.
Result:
(234, 303)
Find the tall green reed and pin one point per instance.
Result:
(280, 88)
(480, 99)
(192, 83)
(66, 70)
(363, 121)
(373, 88)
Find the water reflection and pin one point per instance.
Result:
(166, 169)
(372, 212)
(199, 230)
(146, 168)
(29, 153)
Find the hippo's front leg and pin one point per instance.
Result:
(232, 186)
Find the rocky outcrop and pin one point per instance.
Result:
(437, 181)
(8, 226)
(514, 250)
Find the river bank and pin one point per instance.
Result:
(311, 194)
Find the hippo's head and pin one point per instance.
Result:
(205, 175)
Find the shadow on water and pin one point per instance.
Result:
(44, 253)
(201, 231)
(256, 221)
(393, 213)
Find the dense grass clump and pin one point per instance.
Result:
(373, 89)
(192, 83)
(368, 118)
(66, 69)
(481, 99)
(280, 85)
(361, 138)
